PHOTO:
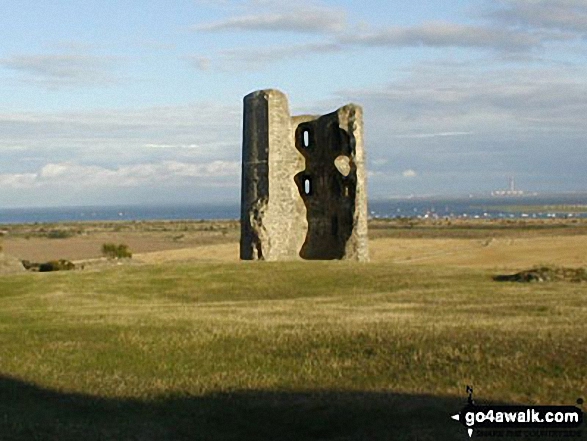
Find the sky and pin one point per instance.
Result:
(140, 102)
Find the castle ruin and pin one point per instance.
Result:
(303, 191)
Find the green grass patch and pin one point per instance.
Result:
(304, 350)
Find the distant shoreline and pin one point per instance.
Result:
(417, 207)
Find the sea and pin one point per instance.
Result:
(556, 206)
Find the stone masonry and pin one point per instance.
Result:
(303, 189)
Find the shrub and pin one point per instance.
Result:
(56, 265)
(53, 265)
(113, 251)
(59, 234)
(545, 274)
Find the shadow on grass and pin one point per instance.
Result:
(29, 412)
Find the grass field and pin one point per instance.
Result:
(181, 348)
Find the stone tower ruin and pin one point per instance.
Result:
(303, 191)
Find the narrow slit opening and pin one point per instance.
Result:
(307, 186)
(306, 138)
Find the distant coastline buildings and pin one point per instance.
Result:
(511, 190)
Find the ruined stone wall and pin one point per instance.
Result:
(273, 217)
(303, 182)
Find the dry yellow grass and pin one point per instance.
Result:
(188, 343)
(501, 253)
(513, 247)
(85, 241)
(228, 252)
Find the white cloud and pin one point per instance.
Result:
(562, 15)
(453, 121)
(312, 21)
(51, 171)
(129, 156)
(258, 58)
(409, 173)
(515, 29)
(374, 174)
(462, 101)
(433, 135)
(443, 34)
(173, 146)
(202, 63)
(56, 71)
(212, 169)
(306, 17)
(166, 173)
(17, 180)
(12, 148)
(434, 35)
(110, 137)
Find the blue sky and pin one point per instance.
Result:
(110, 102)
